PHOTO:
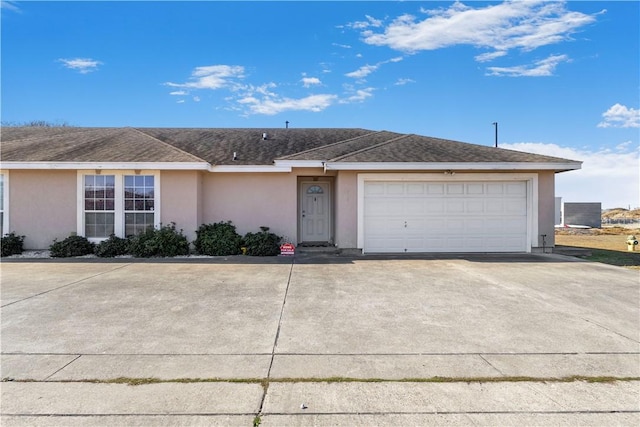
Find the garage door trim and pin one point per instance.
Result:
(531, 180)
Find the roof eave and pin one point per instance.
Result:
(105, 165)
(557, 167)
(299, 163)
(249, 168)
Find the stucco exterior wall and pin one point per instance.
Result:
(346, 212)
(546, 209)
(252, 200)
(42, 205)
(180, 200)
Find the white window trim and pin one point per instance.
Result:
(5, 202)
(119, 199)
(530, 178)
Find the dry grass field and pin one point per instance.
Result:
(607, 244)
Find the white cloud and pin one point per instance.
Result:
(607, 176)
(523, 25)
(620, 116)
(490, 56)
(180, 101)
(365, 70)
(82, 65)
(370, 22)
(359, 96)
(271, 106)
(9, 5)
(402, 82)
(310, 81)
(179, 92)
(212, 77)
(541, 68)
(196, 99)
(344, 46)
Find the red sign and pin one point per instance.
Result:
(287, 249)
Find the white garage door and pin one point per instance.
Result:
(445, 216)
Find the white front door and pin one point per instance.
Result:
(315, 212)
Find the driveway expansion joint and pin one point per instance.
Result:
(65, 286)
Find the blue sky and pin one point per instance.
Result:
(560, 78)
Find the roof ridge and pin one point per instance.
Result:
(168, 145)
(332, 144)
(78, 130)
(362, 150)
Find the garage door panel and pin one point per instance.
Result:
(455, 206)
(434, 244)
(494, 206)
(474, 226)
(516, 189)
(395, 189)
(414, 207)
(517, 207)
(445, 216)
(386, 245)
(435, 189)
(415, 189)
(495, 189)
(475, 206)
(376, 207)
(454, 225)
(435, 207)
(384, 226)
(374, 188)
(475, 188)
(455, 189)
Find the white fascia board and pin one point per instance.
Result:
(248, 168)
(484, 166)
(300, 163)
(107, 165)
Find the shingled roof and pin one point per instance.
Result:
(216, 146)
(394, 147)
(68, 144)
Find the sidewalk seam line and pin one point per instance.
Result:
(490, 364)
(69, 363)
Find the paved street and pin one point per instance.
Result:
(320, 340)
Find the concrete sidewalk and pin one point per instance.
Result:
(357, 341)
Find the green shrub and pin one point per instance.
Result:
(165, 241)
(12, 244)
(262, 243)
(219, 239)
(112, 247)
(71, 246)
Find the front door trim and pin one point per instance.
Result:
(303, 184)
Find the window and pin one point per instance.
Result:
(3, 203)
(139, 203)
(123, 204)
(99, 205)
(315, 189)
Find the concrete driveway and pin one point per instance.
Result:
(320, 340)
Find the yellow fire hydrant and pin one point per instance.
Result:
(632, 242)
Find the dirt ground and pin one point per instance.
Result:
(610, 238)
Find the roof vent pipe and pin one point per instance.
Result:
(264, 136)
(235, 157)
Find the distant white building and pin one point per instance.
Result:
(585, 214)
